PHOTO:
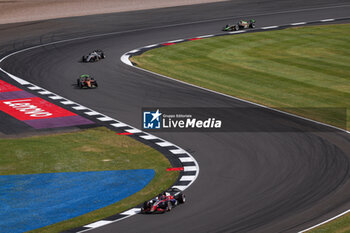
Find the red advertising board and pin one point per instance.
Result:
(5, 87)
(32, 108)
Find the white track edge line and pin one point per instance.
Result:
(327, 20)
(236, 98)
(195, 168)
(246, 101)
(300, 23)
(249, 102)
(126, 58)
(98, 224)
(328, 220)
(69, 102)
(269, 27)
(120, 219)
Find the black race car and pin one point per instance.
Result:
(164, 202)
(86, 81)
(94, 56)
(242, 24)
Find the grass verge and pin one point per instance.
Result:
(97, 149)
(304, 70)
(339, 225)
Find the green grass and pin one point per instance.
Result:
(303, 70)
(339, 225)
(97, 149)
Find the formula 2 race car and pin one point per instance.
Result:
(164, 202)
(86, 81)
(94, 56)
(242, 24)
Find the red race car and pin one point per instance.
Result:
(164, 202)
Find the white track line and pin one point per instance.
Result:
(125, 59)
(105, 118)
(236, 98)
(164, 144)
(80, 108)
(91, 113)
(175, 41)
(327, 20)
(151, 46)
(178, 151)
(132, 211)
(186, 159)
(98, 224)
(296, 24)
(329, 220)
(34, 88)
(44, 92)
(187, 178)
(68, 102)
(134, 131)
(237, 32)
(269, 27)
(190, 168)
(56, 97)
(119, 125)
(149, 137)
(193, 168)
(181, 187)
(205, 36)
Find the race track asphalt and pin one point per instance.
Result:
(258, 181)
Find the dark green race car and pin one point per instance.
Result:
(242, 24)
(86, 81)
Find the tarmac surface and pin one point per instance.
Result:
(258, 181)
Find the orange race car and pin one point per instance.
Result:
(86, 81)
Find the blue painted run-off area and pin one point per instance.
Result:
(29, 202)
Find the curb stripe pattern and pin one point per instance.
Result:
(119, 126)
(178, 153)
(169, 149)
(125, 59)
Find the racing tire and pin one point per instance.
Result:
(252, 25)
(236, 28)
(78, 81)
(145, 205)
(182, 198)
(102, 56)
